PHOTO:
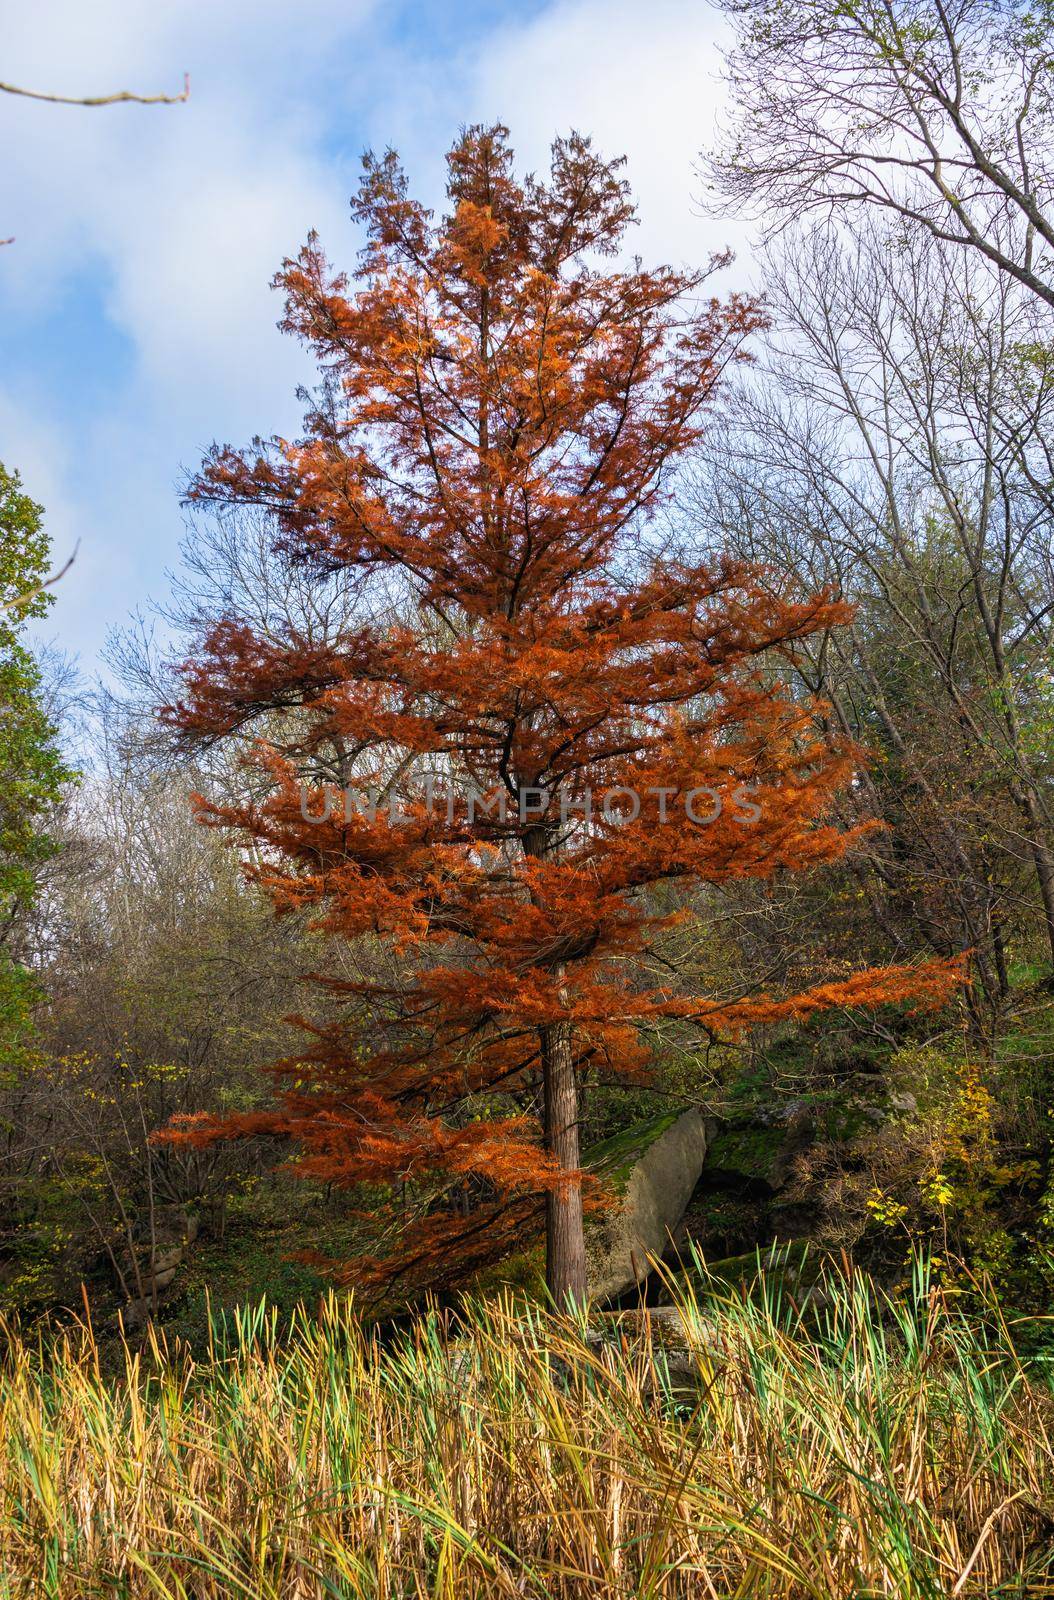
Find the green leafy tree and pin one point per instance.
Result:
(32, 770)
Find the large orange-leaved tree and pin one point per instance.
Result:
(537, 722)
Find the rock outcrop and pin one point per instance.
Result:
(155, 1270)
(653, 1168)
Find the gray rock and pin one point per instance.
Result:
(174, 1234)
(686, 1349)
(656, 1186)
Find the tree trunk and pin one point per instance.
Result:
(1044, 866)
(999, 948)
(565, 1244)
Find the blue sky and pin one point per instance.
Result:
(136, 322)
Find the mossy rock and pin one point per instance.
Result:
(523, 1272)
(664, 1152)
(751, 1150)
(652, 1169)
(793, 1267)
(614, 1159)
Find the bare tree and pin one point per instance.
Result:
(940, 113)
(895, 443)
(167, 979)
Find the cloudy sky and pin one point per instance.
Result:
(136, 322)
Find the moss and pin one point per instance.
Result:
(523, 1271)
(785, 1266)
(748, 1150)
(614, 1159)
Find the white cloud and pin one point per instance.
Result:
(180, 215)
(39, 455)
(642, 79)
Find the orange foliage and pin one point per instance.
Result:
(501, 415)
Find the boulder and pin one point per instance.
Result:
(653, 1169)
(174, 1232)
(685, 1348)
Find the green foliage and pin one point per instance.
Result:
(952, 1172)
(32, 771)
(262, 1228)
(20, 993)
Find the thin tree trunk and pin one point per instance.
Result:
(565, 1242)
(999, 947)
(565, 1245)
(1043, 863)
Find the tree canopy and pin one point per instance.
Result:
(32, 768)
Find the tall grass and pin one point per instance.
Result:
(745, 1448)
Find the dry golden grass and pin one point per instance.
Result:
(872, 1449)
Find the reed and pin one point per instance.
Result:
(747, 1447)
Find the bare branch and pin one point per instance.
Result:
(124, 97)
(31, 594)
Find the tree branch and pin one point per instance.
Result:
(124, 97)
